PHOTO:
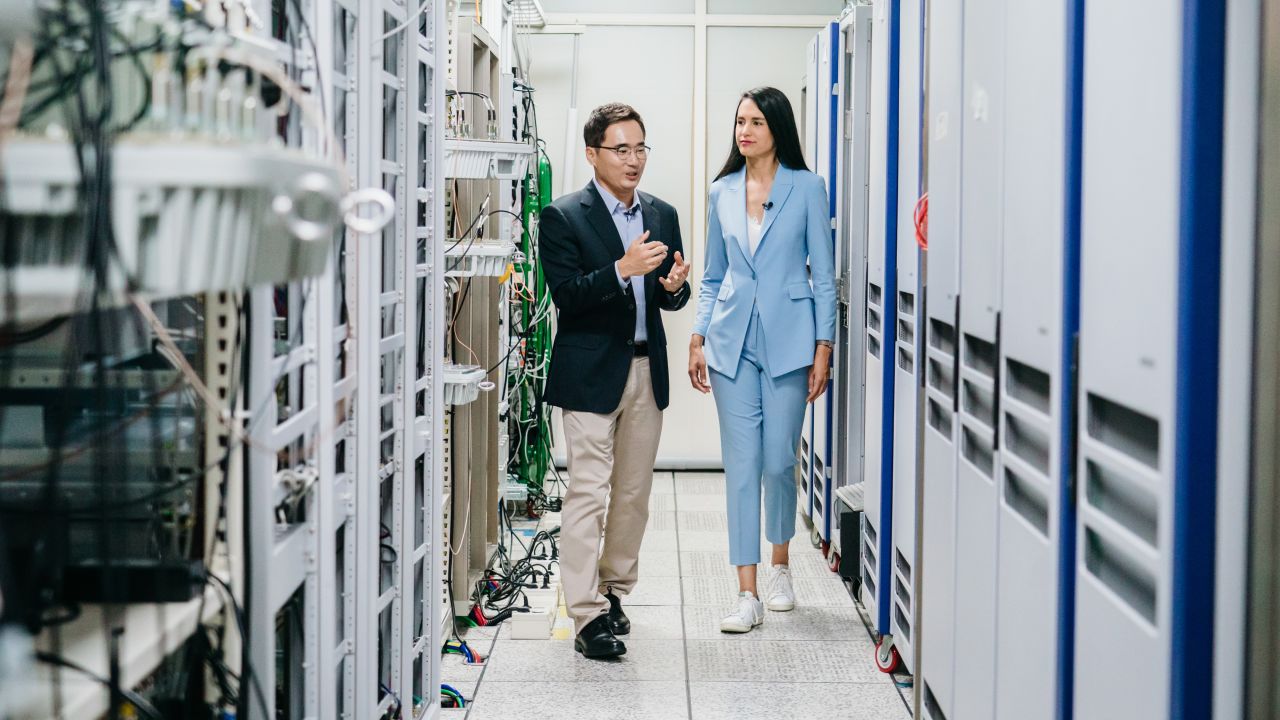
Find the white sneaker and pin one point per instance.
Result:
(749, 614)
(782, 597)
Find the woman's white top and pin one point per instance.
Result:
(754, 228)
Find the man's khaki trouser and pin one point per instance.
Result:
(610, 460)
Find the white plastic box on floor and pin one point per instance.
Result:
(536, 624)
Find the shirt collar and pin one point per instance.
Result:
(614, 203)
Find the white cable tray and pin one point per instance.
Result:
(462, 383)
(484, 159)
(851, 496)
(190, 216)
(528, 13)
(481, 259)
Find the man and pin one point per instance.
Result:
(612, 258)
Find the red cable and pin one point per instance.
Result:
(921, 217)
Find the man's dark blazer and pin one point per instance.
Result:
(594, 345)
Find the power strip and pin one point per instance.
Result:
(537, 623)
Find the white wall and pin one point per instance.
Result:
(652, 64)
(730, 72)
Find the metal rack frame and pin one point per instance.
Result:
(369, 421)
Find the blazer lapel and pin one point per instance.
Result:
(778, 194)
(654, 228)
(736, 199)
(598, 215)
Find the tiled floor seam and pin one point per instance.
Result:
(492, 644)
(865, 616)
(684, 632)
(480, 680)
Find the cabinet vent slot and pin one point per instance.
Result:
(1028, 442)
(906, 360)
(942, 377)
(1119, 571)
(906, 332)
(1027, 385)
(1026, 499)
(980, 355)
(906, 303)
(976, 451)
(1125, 430)
(1123, 500)
(942, 336)
(978, 402)
(940, 418)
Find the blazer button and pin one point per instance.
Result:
(631, 342)
(632, 306)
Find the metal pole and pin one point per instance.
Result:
(571, 122)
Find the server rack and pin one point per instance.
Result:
(881, 311)
(332, 453)
(1127, 365)
(981, 233)
(399, 279)
(812, 115)
(906, 350)
(849, 388)
(826, 110)
(1150, 322)
(945, 129)
(1034, 340)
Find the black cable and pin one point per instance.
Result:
(461, 300)
(504, 358)
(133, 698)
(246, 665)
(450, 93)
(474, 223)
(517, 216)
(383, 550)
(10, 338)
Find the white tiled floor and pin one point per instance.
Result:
(814, 662)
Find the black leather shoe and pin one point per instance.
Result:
(596, 641)
(618, 621)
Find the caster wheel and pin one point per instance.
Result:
(887, 658)
(833, 561)
(815, 537)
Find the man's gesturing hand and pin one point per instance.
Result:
(679, 271)
(642, 257)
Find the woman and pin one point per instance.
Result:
(766, 320)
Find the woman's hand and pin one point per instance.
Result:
(698, 366)
(820, 372)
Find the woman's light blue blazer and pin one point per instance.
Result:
(790, 280)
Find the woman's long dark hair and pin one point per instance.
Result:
(776, 108)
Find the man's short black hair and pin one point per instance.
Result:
(604, 116)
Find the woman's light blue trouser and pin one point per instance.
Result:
(760, 422)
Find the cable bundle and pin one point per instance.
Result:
(450, 698)
(460, 647)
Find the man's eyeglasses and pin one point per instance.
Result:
(626, 152)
